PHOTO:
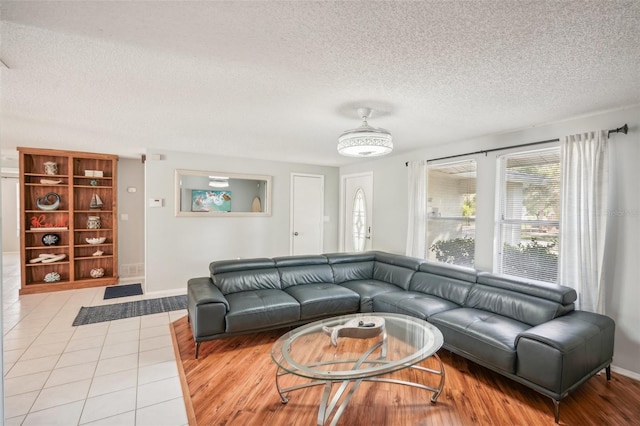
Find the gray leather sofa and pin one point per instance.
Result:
(525, 330)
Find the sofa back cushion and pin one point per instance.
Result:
(395, 269)
(525, 301)
(233, 276)
(299, 270)
(351, 266)
(445, 281)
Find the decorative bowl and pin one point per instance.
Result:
(96, 240)
(50, 239)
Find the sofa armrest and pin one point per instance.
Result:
(207, 308)
(560, 354)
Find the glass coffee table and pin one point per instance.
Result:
(342, 352)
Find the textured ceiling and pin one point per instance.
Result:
(281, 80)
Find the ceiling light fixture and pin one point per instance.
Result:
(365, 141)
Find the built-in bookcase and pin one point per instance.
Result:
(61, 194)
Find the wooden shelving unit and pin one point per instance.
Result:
(67, 222)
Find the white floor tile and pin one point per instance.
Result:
(124, 419)
(155, 372)
(108, 405)
(119, 349)
(23, 368)
(113, 382)
(170, 413)
(156, 356)
(74, 373)
(85, 343)
(160, 391)
(117, 373)
(155, 342)
(62, 415)
(42, 350)
(63, 394)
(78, 357)
(113, 365)
(24, 384)
(19, 404)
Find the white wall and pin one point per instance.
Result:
(131, 225)
(179, 248)
(623, 292)
(10, 235)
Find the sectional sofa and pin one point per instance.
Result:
(527, 331)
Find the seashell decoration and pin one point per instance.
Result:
(97, 272)
(52, 277)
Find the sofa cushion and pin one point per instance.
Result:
(368, 290)
(393, 274)
(232, 276)
(444, 287)
(481, 335)
(554, 292)
(302, 270)
(260, 309)
(412, 303)
(324, 299)
(518, 306)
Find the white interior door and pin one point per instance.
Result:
(307, 214)
(357, 212)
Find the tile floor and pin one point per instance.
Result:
(111, 373)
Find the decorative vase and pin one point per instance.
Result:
(50, 168)
(50, 201)
(97, 272)
(93, 222)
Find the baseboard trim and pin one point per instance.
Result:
(627, 373)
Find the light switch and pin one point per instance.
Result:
(124, 216)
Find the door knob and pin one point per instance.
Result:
(295, 234)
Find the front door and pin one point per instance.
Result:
(357, 212)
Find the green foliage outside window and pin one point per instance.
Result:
(458, 251)
(531, 260)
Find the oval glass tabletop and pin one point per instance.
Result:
(356, 346)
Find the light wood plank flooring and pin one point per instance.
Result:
(232, 383)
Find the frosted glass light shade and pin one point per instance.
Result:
(365, 141)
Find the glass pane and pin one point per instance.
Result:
(359, 220)
(530, 251)
(529, 216)
(451, 211)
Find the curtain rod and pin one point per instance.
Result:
(624, 129)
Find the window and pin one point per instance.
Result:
(451, 213)
(528, 208)
(359, 220)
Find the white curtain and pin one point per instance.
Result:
(583, 217)
(417, 223)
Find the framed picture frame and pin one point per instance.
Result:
(210, 201)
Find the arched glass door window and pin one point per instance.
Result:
(359, 220)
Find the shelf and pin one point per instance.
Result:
(33, 265)
(45, 229)
(70, 221)
(94, 257)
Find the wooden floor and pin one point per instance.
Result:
(233, 383)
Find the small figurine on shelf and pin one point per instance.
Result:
(50, 168)
(96, 202)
